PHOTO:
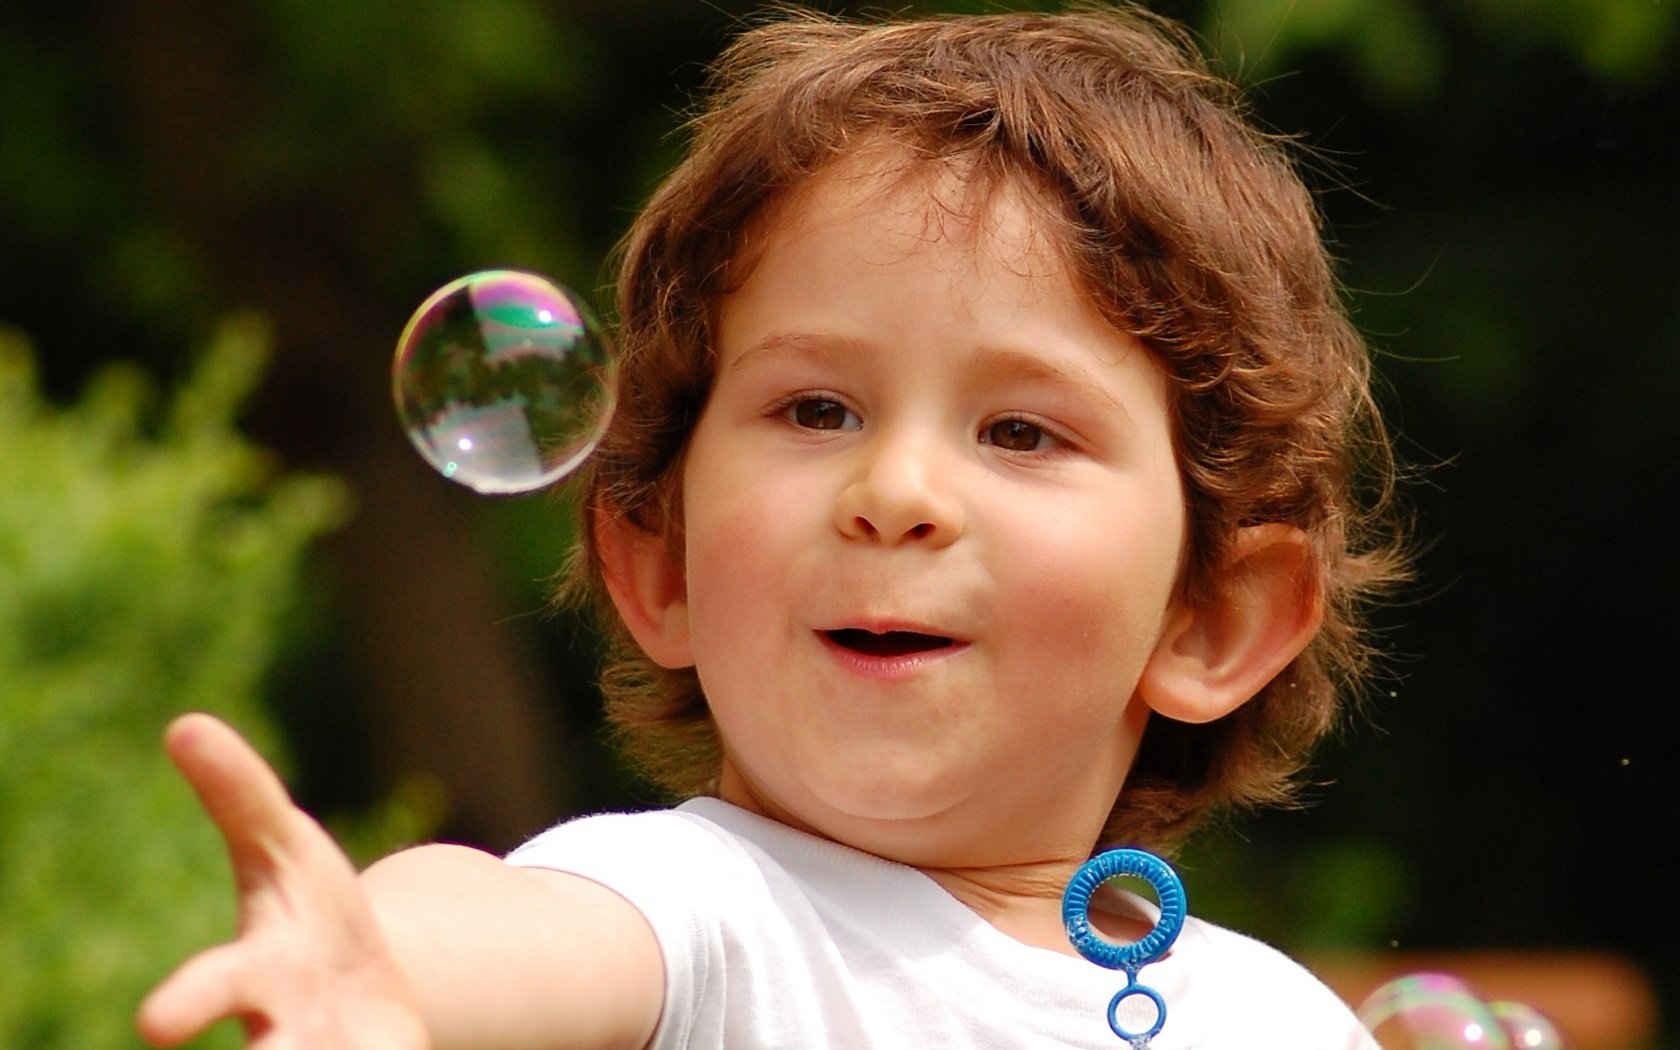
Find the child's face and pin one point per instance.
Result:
(933, 522)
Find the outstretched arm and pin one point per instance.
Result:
(438, 946)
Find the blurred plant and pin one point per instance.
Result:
(1399, 48)
(148, 558)
(1324, 896)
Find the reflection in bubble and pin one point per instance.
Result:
(503, 381)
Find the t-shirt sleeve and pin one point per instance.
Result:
(662, 864)
(1257, 996)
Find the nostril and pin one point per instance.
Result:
(893, 506)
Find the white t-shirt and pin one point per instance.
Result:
(775, 938)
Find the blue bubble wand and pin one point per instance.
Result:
(1130, 958)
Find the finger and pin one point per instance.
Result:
(207, 988)
(241, 794)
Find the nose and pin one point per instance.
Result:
(900, 493)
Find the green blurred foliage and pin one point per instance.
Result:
(1399, 49)
(1332, 895)
(148, 556)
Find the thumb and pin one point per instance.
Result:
(211, 985)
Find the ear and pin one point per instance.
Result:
(1266, 607)
(647, 587)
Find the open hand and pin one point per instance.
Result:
(309, 969)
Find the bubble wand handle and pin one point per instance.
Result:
(1128, 958)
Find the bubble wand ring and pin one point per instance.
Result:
(1128, 958)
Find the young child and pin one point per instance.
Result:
(982, 492)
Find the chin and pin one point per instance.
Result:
(904, 821)
(883, 785)
(890, 802)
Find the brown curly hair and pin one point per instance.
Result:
(1186, 227)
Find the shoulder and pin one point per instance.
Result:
(1234, 985)
(608, 838)
(657, 858)
(757, 922)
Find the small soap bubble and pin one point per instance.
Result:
(1526, 1027)
(1431, 1011)
(503, 381)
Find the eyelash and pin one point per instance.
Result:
(1049, 440)
(788, 409)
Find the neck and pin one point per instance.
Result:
(1024, 901)
(1021, 899)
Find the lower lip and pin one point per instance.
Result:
(902, 665)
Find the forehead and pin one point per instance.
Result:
(879, 253)
(911, 202)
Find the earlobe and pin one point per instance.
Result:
(647, 587)
(1267, 605)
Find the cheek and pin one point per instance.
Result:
(1090, 576)
(737, 535)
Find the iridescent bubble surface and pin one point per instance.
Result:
(1431, 1011)
(503, 381)
(1526, 1027)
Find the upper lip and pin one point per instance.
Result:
(885, 625)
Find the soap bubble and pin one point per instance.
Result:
(1526, 1027)
(1431, 1011)
(503, 381)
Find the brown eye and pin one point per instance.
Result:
(820, 414)
(1016, 435)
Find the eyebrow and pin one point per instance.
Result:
(1027, 369)
(810, 346)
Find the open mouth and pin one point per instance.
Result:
(887, 643)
